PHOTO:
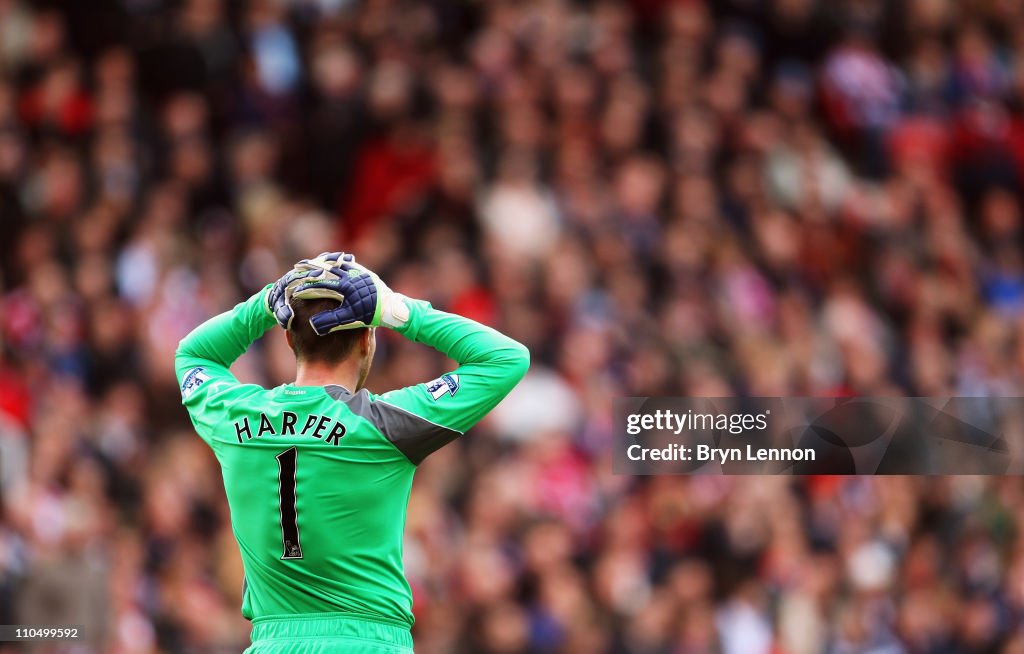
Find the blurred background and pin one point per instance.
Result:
(761, 197)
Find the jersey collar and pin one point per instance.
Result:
(336, 391)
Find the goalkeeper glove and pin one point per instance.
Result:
(305, 275)
(368, 301)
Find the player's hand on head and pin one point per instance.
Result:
(329, 261)
(314, 277)
(367, 301)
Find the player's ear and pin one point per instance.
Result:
(366, 341)
(288, 338)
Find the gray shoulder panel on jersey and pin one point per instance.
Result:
(337, 392)
(414, 436)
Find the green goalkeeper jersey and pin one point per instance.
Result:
(318, 477)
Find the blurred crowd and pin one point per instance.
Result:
(659, 197)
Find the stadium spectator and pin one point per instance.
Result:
(658, 197)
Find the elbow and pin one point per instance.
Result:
(519, 360)
(186, 357)
(180, 362)
(181, 351)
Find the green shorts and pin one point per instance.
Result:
(328, 635)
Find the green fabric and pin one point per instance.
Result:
(490, 365)
(351, 483)
(328, 635)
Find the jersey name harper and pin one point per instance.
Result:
(313, 426)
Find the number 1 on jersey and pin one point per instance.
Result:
(286, 490)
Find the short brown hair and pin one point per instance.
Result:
(308, 345)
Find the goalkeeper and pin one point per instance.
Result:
(318, 473)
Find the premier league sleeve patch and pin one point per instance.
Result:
(193, 380)
(443, 385)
